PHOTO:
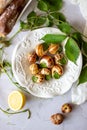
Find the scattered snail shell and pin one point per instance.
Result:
(53, 48)
(45, 71)
(66, 108)
(40, 50)
(48, 61)
(32, 57)
(57, 118)
(57, 69)
(34, 68)
(38, 78)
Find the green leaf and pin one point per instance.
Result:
(56, 75)
(54, 38)
(50, 5)
(63, 61)
(48, 77)
(23, 25)
(55, 4)
(72, 50)
(45, 46)
(34, 79)
(42, 5)
(40, 20)
(43, 65)
(4, 41)
(84, 60)
(58, 16)
(78, 38)
(6, 64)
(31, 16)
(83, 75)
(65, 27)
(84, 49)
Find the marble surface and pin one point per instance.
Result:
(42, 109)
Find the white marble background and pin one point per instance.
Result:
(42, 109)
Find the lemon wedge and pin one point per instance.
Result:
(16, 100)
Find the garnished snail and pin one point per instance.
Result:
(38, 78)
(40, 50)
(60, 59)
(46, 62)
(32, 57)
(53, 48)
(34, 68)
(57, 71)
(45, 71)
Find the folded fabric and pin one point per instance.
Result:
(79, 93)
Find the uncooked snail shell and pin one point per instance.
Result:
(34, 68)
(53, 48)
(38, 78)
(46, 62)
(57, 69)
(32, 57)
(40, 50)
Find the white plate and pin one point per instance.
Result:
(20, 67)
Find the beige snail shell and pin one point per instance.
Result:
(40, 50)
(32, 57)
(45, 71)
(48, 60)
(53, 48)
(58, 69)
(39, 78)
(34, 68)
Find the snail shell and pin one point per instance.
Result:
(48, 61)
(40, 50)
(58, 57)
(53, 48)
(45, 71)
(34, 68)
(32, 57)
(58, 69)
(40, 78)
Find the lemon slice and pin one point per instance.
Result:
(16, 100)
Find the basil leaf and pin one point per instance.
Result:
(34, 79)
(84, 49)
(55, 4)
(40, 20)
(56, 75)
(45, 46)
(54, 38)
(83, 76)
(43, 65)
(23, 25)
(42, 5)
(58, 15)
(65, 27)
(31, 16)
(78, 38)
(48, 77)
(84, 60)
(72, 50)
(63, 61)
